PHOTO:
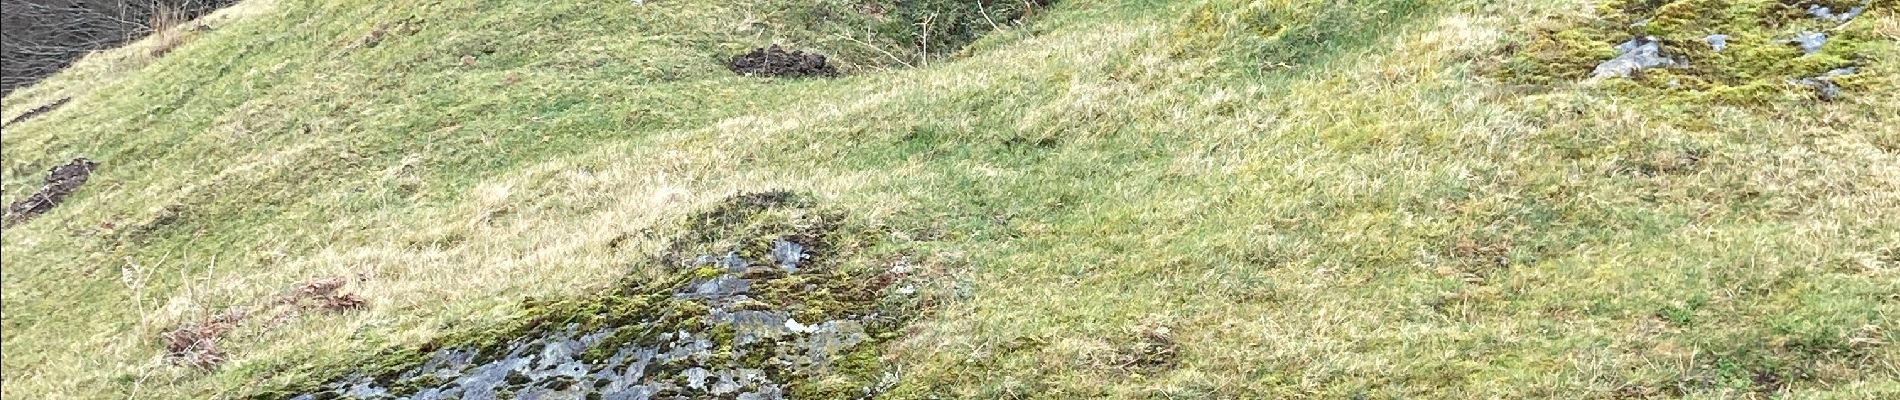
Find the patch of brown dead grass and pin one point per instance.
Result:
(168, 31)
(198, 343)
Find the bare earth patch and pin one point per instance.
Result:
(61, 181)
(37, 111)
(775, 61)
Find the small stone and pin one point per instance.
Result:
(727, 383)
(1810, 42)
(1718, 42)
(722, 286)
(1827, 14)
(733, 262)
(696, 377)
(1824, 85)
(788, 254)
(795, 327)
(1633, 56)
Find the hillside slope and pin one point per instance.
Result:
(1124, 199)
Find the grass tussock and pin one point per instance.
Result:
(168, 30)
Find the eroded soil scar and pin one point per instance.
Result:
(36, 111)
(60, 182)
(775, 61)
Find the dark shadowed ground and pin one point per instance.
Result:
(41, 37)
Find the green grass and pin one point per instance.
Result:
(1317, 199)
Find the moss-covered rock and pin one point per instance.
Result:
(765, 308)
(1730, 51)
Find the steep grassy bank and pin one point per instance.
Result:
(1120, 199)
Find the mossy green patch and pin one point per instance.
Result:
(1276, 35)
(1727, 51)
(891, 33)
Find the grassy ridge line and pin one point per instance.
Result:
(1329, 232)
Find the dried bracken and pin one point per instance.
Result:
(197, 344)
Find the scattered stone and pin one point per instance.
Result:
(696, 378)
(1717, 42)
(775, 61)
(1810, 42)
(1632, 57)
(734, 322)
(1750, 46)
(788, 254)
(737, 352)
(731, 261)
(1828, 14)
(722, 286)
(61, 181)
(1824, 85)
(36, 111)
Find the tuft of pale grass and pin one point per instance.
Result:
(168, 30)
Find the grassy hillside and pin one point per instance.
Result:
(1110, 198)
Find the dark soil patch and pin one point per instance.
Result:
(61, 181)
(1153, 350)
(775, 61)
(1768, 382)
(49, 107)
